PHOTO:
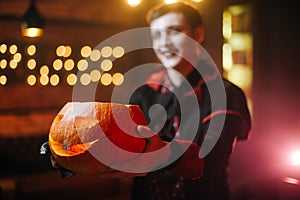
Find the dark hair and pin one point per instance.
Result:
(190, 13)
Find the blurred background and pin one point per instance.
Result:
(254, 43)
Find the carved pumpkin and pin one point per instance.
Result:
(87, 137)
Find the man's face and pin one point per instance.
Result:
(170, 37)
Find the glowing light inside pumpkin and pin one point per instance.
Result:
(72, 150)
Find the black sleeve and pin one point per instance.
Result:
(237, 103)
(237, 125)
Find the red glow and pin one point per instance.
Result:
(291, 180)
(296, 158)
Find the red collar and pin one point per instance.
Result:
(155, 79)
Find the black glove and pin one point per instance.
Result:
(44, 150)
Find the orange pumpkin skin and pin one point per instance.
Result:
(81, 133)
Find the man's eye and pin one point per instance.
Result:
(155, 35)
(177, 29)
(173, 31)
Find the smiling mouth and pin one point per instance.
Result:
(167, 52)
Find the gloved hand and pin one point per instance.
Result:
(147, 161)
(45, 150)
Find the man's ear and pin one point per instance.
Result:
(199, 34)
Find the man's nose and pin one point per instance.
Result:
(165, 39)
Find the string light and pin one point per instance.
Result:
(106, 51)
(86, 51)
(31, 50)
(95, 55)
(118, 52)
(3, 79)
(64, 65)
(106, 79)
(106, 65)
(71, 79)
(31, 80)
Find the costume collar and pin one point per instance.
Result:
(208, 73)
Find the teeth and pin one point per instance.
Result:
(162, 49)
(168, 54)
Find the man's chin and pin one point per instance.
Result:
(170, 65)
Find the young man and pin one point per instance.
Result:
(173, 26)
(200, 110)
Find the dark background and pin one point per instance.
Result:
(258, 166)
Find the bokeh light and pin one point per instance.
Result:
(86, 51)
(106, 51)
(44, 70)
(44, 80)
(118, 52)
(3, 79)
(82, 65)
(106, 65)
(106, 79)
(60, 50)
(170, 1)
(57, 64)
(95, 75)
(134, 3)
(68, 51)
(117, 78)
(54, 80)
(71, 79)
(95, 55)
(69, 65)
(13, 64)
(3, 64)
(17, 57)
(31, 80)
(85, 79)
(296, 158)
(3, 48)
(31, 50)
(31, 64)
(13, 49)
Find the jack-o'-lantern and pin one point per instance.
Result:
(86, 137)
